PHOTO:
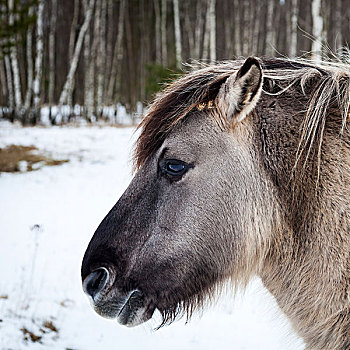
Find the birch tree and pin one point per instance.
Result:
(270, 33)
(72, 38)
(101, 58)
(90, 102)
(87, 54)
(238, 48)
(73, 28)
(163, 33)
(338, 24)
(38, 63)
(14, 62)
(206, 39)
(317, 28)
(30, 72)
(294, 28)
(3, 79)
(246, 27)
(198, 29)
(52, 55)
(109, 43)
(7, 64)
(117, 53)
(212, 31)
(228, 30)
(11, 101)
(77, 49)
(157, 31)
(188, 29)
(255, 26)
(178, 45)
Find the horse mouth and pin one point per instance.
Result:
(130, 310)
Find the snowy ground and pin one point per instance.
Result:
(47, 218)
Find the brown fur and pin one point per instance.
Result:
(299, 126)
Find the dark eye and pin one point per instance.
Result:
(174, 168)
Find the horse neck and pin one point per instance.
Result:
(307, 268)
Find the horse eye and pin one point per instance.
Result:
(174, 167)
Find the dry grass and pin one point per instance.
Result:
(49, 325)
(30, 335)
(16, 158)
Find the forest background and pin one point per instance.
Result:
(86, 57)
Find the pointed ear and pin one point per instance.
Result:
(240, 93)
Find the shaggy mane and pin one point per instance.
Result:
(327, 84)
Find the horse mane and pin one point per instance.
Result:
(327, 86)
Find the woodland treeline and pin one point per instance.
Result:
(95, 53)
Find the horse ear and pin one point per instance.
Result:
(240, 93)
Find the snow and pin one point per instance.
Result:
(115, 114)
(47, 218)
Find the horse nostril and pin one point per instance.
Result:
(96, 281)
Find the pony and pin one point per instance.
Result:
(242, 169)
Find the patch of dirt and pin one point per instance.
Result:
(15, 158)
(4, 297)
(49, 325)
(30, 335)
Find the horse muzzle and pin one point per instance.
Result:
(129, 309)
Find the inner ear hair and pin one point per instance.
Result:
(239, 95)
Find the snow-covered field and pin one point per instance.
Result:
(47, 218)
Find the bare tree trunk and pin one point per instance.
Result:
(338, 24)
(11, 100)
(212, 31)
(270, 32)
(101, 58)
(14, 62)
(91, 102)
(294, 28)
(198, 29)
(3, 79)
(109, 44)
(130, 55)
(117, 53)
(71, 46)
(142, 53)
(228, 29)
(73, 30)
(74, 63)
(30, 73)
(255, 23)
(238, 48)
(38, 63)
(6, 79)
(317, 28)
(178, 45)
(188, 29)
(52, 55)
(247, 27)
(157, 30)
(87, 54)
(206, 40)
(163, 34)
